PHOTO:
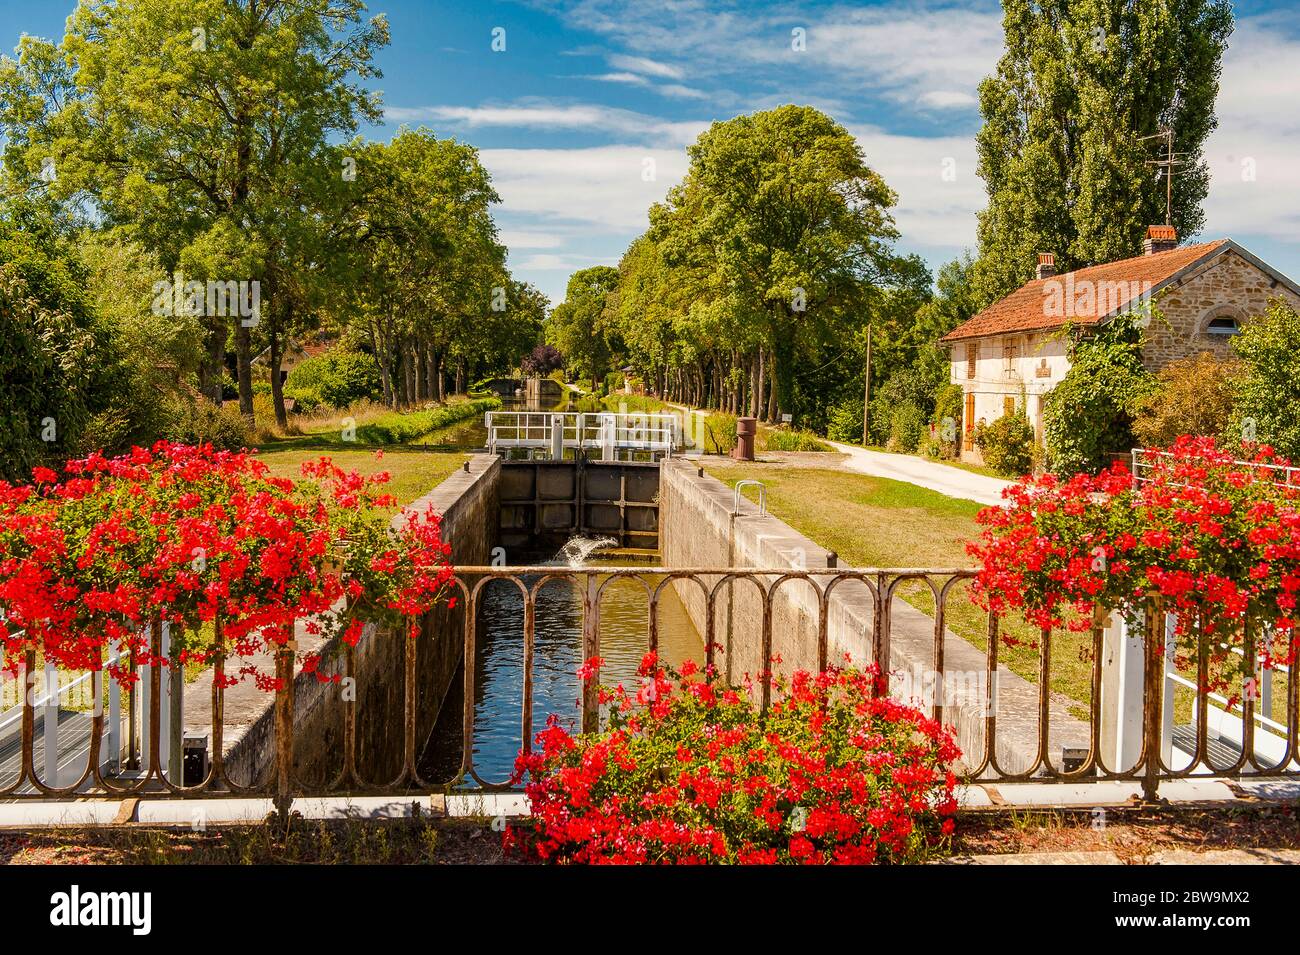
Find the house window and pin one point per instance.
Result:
(1009, 355)
(972, 354)
(1223, 325)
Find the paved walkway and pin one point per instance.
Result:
(944, 478)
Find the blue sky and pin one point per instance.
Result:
(584, 118)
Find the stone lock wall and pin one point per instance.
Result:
(698, 530)
(467, 501)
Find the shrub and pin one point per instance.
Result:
(933, 446)
(336, 378)
(400, 427)
(844, 423)
(1007, 444)
(907, 428)
(719, 433)
(543, 360)
(1268, 390)
(1194, 396)
(1090, 413)
(782, 440)
(197, 421)
(690, 772)
(948, 400)
(907, 387)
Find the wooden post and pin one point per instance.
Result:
(866, 393)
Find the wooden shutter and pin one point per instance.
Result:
(970, 420)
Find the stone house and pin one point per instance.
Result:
(1010, 355)
(294, 355)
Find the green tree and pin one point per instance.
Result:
(782, 218)
(186, 123)
(1268, 389)
(1061, 149)
(1090, 413)
(68, 386)
(578, 326)
(1193, 396)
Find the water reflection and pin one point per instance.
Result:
(471, 434)
(557, 655)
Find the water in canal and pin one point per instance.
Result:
(471, 434)
(557, 654)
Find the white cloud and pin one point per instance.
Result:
(1259, 134)
(524, 239)
(603, 187)
(645, 66)
(938, 191)
(630, 78)
(622, 123)
(932, 54)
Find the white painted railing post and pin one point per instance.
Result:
(51, 725)
(144, 681)
(113, 736)
(607, 434)
(557, 437)
(171, 699)
(1167, 706)
(1122, 670)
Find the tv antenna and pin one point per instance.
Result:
(1166, 166)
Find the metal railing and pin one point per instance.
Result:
(1145, 460)
(607, 433)
(771, 590)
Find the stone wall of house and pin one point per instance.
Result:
(1227, 287)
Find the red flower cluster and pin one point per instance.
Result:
(689, 772)
(1217, 539)
(189, 534)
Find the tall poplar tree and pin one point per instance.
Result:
(1062, 152)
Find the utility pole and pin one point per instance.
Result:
(866, 393)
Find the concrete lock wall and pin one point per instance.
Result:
(468, 503)
(697, 529)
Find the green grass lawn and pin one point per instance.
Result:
(414, 471)
(875, 522)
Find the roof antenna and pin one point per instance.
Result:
(1166, 166)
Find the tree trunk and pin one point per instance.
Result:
(244, 366)
(761, 385)
(417, 362)
(773, 409)
(277, 389)
(212, 369)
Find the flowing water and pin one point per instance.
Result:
(557, 654)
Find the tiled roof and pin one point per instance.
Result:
(1027, 308)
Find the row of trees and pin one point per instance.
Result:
(755, 284)
(214, 142)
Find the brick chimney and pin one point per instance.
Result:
(1046, 265)
(1160, 238)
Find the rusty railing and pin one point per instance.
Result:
(774, 595)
